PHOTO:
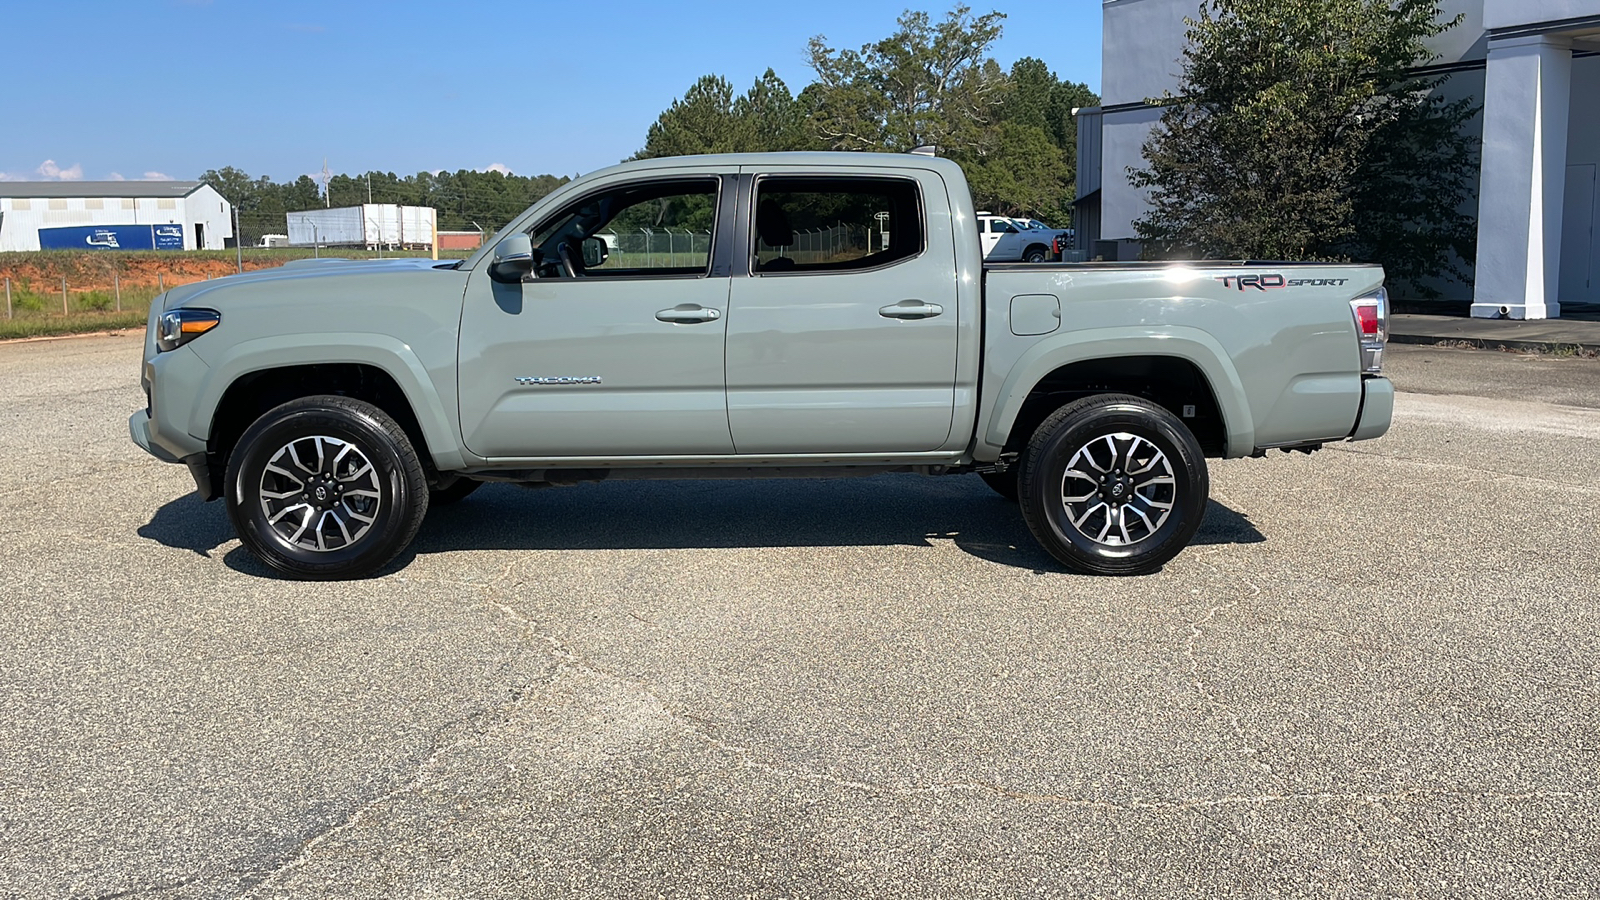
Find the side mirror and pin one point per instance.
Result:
(513, 259)
(595, 252)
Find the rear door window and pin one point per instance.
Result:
(832, 224)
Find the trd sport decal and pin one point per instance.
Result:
(1273, 282)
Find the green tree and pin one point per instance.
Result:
(710, 119)
(462, 198)
(234, 185)
(1302, 132)
(1027, 163)
(925, 84)
(1020, 172)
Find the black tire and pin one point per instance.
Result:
(1004, 483)
(1036, 253)
(366, 490)
(1150, 459)
(456, 492)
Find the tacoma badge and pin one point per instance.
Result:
(558, 379)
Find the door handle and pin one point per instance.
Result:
(910, 309)
(688, 314)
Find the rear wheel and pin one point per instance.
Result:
(326, 487)
(1113, 485)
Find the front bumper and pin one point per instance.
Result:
(139, 430)
(199, 463)
(1377, 408)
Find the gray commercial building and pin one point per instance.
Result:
(1533, 65)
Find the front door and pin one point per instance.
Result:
(615, 347)
(837, 341)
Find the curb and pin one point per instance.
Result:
(1471, 343)
(106, 332)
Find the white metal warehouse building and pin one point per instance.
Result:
(27, 206)
(1533, 65)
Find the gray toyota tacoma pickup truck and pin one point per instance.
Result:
(750, 316)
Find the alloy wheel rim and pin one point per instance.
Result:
(320, 493)
(1118, 489)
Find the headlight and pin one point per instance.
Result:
(180, 326)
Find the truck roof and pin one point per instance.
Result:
(826, 159)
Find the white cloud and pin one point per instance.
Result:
(156, 176)
(502, 168)
(116, 176)
(52, 172)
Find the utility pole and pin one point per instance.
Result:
(238, 240)
(369, 187)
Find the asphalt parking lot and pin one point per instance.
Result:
(1375, 674)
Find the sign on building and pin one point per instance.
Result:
(112, 237)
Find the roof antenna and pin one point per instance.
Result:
(926, 150)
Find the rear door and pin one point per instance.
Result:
(842, 327)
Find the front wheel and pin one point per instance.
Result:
(1113, 485)
(326, 487)
(1035, 254)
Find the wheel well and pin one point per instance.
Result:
(1169, 381)
(256, 392)
(1044, 248)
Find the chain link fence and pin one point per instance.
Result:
(664, 249)
(684, 248)
(823, 245)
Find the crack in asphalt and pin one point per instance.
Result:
(307, 847)
(437, 751)
(569, 659)
(1207, 694)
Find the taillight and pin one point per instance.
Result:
(1372, 328)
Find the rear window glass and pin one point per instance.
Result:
(819, 224)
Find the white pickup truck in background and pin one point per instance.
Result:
(1008, 239)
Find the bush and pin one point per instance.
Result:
(96, 300)
(26, 300)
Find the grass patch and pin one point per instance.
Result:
(77, 323)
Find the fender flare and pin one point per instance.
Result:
(380, 351)
(1182, 342)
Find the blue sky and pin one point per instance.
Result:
(172, 89)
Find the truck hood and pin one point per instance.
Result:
(201, 293)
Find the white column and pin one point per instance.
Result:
(1527, 91)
